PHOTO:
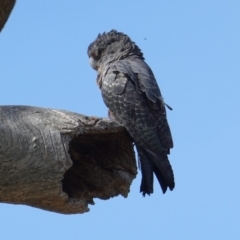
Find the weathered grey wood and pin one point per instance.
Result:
(6, 7)
(60, 161)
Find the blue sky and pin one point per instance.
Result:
(193, 50)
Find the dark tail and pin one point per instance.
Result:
(158, 164)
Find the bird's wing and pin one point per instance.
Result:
(148, 93)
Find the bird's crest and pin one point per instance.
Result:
(113, 42)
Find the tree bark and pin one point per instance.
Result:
(6, 7)
(60, 161)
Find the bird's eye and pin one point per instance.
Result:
(96, 55)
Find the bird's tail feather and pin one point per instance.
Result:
(158, 164)
(147, 173)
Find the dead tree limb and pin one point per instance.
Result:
(60, 161)
(6, 7)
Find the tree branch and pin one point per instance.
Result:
(59, 161)
(6, 7)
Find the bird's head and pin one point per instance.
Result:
(109, 47)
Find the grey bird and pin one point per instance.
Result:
(130, 91)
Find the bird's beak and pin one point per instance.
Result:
(93, 63)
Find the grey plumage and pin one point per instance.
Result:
(130, 91)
